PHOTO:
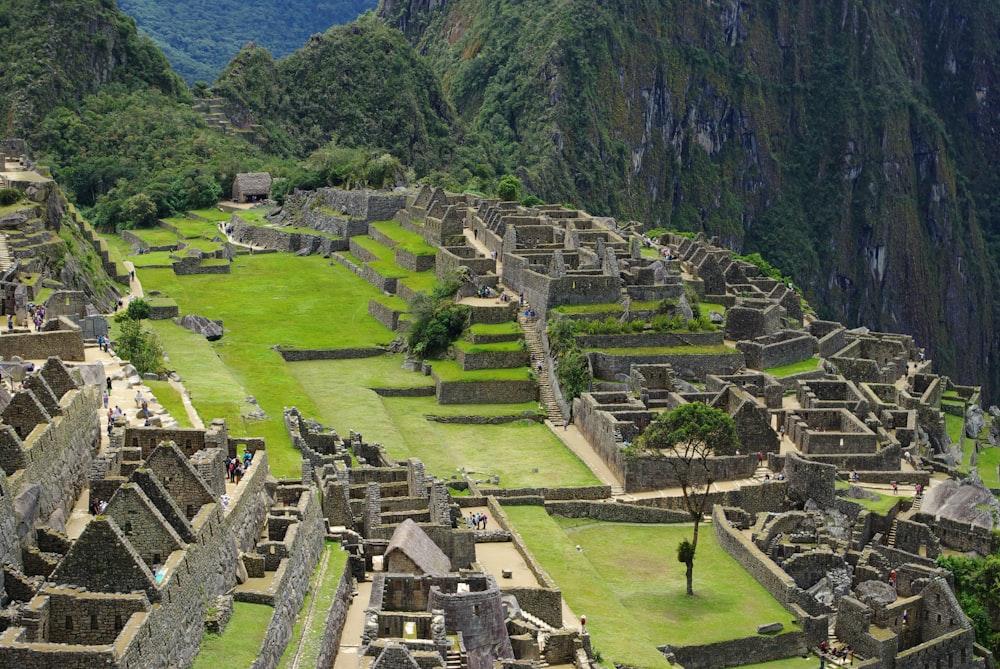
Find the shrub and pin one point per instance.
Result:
(9, 196)
(573, 372)
(509, 188)
(140, 347)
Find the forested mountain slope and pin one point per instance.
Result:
(851, 143)
(199, 38)
(360, 85)
(56, 52)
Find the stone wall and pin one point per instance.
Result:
(193, 265)
(687, 366)
(471, 361)
(655, 472)
(621, 512)
(961, 536)
(777, 350)
(486, 392)
(336, 615)
(277, 239)
(738, 652)
(650, 339)
(451, 258)
(305, 354)
(65, 343)
(413, 261)
(384, 314)
(136, 241)
(304, 553)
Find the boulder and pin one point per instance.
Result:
(974, 421)
(715, 317)
(876, 594)
(211, 330)
(770, 628)
(90, 374)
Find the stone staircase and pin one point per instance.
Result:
(6, 261)
(891, 539)
(454, 660)
(534, 341)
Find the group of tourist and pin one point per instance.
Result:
(476, 520)
(97, 507)
(236, 467)
(843, 654)
(103, 342)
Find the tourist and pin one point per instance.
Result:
(767, 478)
(854, 476)
(237, 473)
(105, 394)
(138, 399)
(10, 322)
(895, 488)
(232, 470)
(108, 379)
(760, 458)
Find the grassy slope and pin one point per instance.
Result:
(237, 646)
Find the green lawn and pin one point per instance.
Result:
(712, 306)
(195, 227)
(408, 241)
(810, 365)
(954, 425)
(340, 389)
(989, 459)
(628, 583)
(510, 327)
(156, 236)
(239, 643)
(421, 281)
(170, 399)
(157, 259)
(810, 662)
(213, 214)
(318, 598)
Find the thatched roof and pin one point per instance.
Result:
(411, 544)
(252, 183)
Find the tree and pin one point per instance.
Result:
(138, 309)
(690, 435)
(139, 347)
(509, 188)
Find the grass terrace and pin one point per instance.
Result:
(628, 582)
(156, 236)
(449, 370)
(213, 214)
(420, 281)
(603, 308)
(469, 347)
(157, 259)
(989, 460)
(712, 306)
(809, 365)
(191, 228)
(510, 327)
(408, 241)
(239, 644)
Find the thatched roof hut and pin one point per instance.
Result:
(251, 187)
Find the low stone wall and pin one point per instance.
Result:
(616, 512)
(961, 536)
(65, 344)
(303, 556)
(486, 392)
(471, 361)
(304, 354)
(650, 339)
(384, 283)
(687, 366)
(276, 239)
(194, 265)
(655, 472)
(738, 652)
(754, 499)
(161, 311)
(135, 240)
(413, 261)
(448, 261)
(336, 615)
(551, 494)
(764, 356)
(384, 314)
(420, 391)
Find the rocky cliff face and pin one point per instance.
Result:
(847, 142)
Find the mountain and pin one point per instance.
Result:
(852, 144)
(56, 52)
(200, 38)
(360, 85)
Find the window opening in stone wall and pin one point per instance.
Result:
(156, 558)
(93, 621)
(69, 623)
(128, 527)
(118, 622)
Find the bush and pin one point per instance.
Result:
(573, 372)
(509, 188)
(138, 346)
(435, 325)
(9, 196)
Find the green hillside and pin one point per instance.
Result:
(200, 38)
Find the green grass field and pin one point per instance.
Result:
(156, 236)
(190, 228)
(810, 365)
(238, 645)
(628, 583)
(408, 241)
(449, 370)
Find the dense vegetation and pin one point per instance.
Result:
(200, 38)
(355, 86)
(977, 586)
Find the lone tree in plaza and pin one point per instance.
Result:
(688, 436)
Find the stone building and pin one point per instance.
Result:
(251, 187)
